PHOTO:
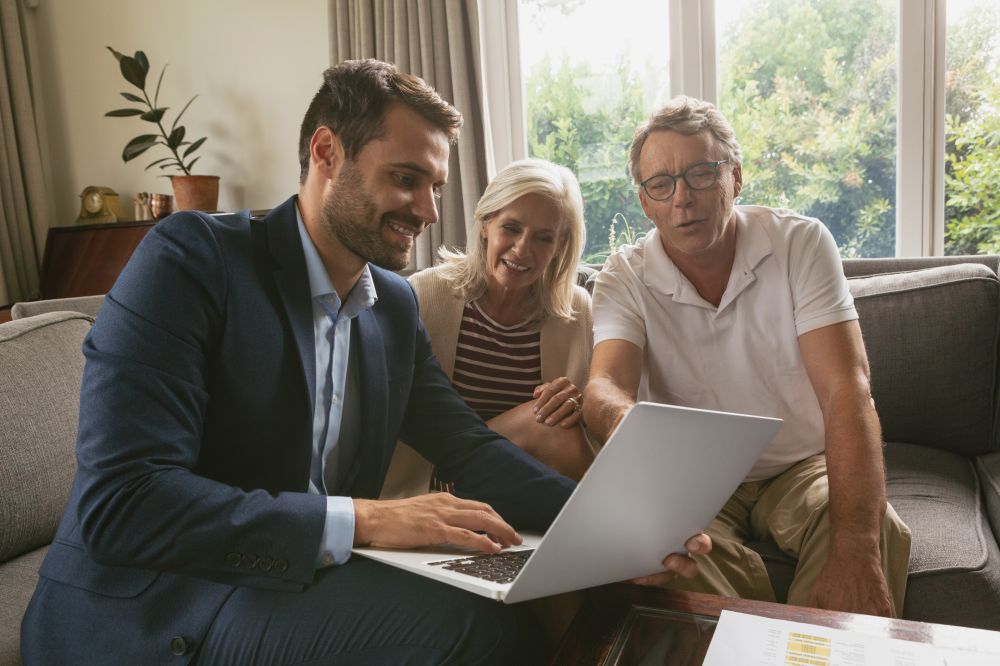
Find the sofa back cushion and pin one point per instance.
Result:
(41, 365)
(932, 341)
(88, 305)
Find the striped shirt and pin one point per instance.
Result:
(496, 367)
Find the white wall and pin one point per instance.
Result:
(254, 65)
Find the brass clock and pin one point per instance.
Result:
(99, 204)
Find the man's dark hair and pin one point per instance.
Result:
(354, 98)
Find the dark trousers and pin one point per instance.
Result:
(367, 613)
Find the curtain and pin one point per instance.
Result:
(24, 207)
(437, 40)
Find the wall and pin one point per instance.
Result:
(254, 65)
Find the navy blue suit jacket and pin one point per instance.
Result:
(195, 436)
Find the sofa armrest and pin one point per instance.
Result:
(988, 467)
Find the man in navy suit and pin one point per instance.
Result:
(244, 387)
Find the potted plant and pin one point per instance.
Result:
(190, 192)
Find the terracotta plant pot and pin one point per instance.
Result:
(196, 192)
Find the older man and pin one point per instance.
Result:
(746, 309)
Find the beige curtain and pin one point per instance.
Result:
(437, 40)
(23, 194)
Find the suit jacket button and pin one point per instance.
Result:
(249, 561)
(265, 563)
(179, 646)
(280, 565)
(232, 559)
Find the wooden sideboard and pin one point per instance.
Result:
(85, 260)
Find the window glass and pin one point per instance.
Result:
(592, 71)
(810, 87)
(972, 128)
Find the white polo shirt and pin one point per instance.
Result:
(744, 355)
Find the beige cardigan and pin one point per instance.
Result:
(565, 348)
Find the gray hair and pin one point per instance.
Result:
(553, 293)
(685, 115)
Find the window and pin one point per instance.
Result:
(840, 106)
(586, 87)
(810, 88)
(972, 128)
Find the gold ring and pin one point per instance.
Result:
(576, 404)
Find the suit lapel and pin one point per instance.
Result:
(292, 283)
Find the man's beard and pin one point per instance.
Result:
(349, 214)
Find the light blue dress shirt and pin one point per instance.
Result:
(336, 407)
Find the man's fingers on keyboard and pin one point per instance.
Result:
(483, 521)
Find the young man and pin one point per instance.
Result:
(746, 309)
(244, 388)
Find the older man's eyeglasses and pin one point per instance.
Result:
(701, 176)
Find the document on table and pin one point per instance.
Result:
(762, 641)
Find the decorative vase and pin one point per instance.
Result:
(196, 192)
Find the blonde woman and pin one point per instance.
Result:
(509, 324)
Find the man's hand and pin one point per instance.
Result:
(558, 402)
(679, 565)
(431, 520)
(854, 584)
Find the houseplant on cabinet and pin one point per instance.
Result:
(191, 192)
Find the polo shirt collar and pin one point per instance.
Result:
(661, 274)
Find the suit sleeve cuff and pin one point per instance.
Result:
(338, 532)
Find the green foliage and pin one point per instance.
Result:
(810, 90)
(972, 128)
(972, 186)
(135, 69)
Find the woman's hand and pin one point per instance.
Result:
(558, 403)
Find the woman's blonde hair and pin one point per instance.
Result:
(552, 294)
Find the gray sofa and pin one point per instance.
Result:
(931, 328)
(40, 370)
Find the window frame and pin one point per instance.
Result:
(920, 141)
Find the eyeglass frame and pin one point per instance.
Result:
(715, 167)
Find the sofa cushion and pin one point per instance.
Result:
(954, 559)
(41, 366)
(18, 578)
(931, 337)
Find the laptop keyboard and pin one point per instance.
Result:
(500, 568)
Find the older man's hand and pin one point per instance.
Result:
(677, 565)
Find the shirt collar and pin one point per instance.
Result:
(363, 294)
(753, 245)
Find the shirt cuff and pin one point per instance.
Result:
(338, 532)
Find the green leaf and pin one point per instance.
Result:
(156, 95)
(194, 146)
(191, 163)
(143, 61)
(138, 146)
(172, 163)
(153, 164)
(133, 98)
(132, 71)
(121, 113)
(155, 115)
(182, 112)
(176, 136)
(118, 56)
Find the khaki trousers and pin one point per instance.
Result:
(792, 509)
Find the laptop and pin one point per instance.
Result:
(664, 473)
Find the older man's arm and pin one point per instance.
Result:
(852, 578)
(615, 370)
